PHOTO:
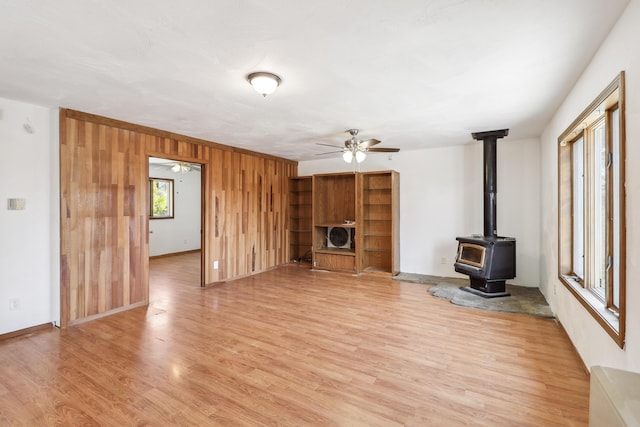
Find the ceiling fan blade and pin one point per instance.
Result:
(383, 150)
(328, 145)
(329, 152)
(369, 142)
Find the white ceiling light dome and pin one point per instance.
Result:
(264, 83)
(347, 156)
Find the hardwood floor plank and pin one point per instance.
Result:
(294, 347)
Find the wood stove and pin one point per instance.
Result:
(489, 260)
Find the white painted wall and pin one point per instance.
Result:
(182, 232)
(615, 54)
(29, 242)
(441, 197)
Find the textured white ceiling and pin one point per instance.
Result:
(412, 73)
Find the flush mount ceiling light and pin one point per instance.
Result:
(264, 83)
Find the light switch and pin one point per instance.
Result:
(16, 204)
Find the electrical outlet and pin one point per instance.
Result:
(14, 304)
(215, 264)
(443, 260)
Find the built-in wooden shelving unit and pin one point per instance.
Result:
(380, 225)
(300, 218)
(334, 206)
(364, 209)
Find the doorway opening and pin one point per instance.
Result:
(175, 225)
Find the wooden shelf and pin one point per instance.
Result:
(341, 225)
(336, 251)
(382, 190)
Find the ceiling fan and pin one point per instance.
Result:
(355, 148)
(184, 167)
(175, 166)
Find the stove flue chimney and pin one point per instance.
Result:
(489, 139)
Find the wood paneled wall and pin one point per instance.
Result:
(104, 217)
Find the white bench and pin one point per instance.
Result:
(614, 398)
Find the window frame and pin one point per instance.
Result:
(612, 318)
(170, 202)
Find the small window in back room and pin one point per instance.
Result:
(160, 198)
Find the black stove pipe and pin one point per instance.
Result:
(489, 140)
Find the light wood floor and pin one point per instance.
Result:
(294, 347)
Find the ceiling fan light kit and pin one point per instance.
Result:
(264, 83)
(353, 153)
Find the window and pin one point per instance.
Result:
(160, 198)
(591, 262)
